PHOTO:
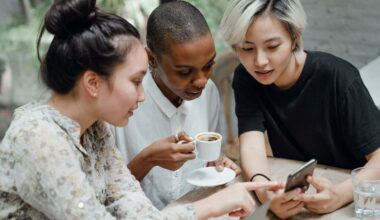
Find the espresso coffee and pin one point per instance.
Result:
(208, 137)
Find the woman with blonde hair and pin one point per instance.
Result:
(312, 104)
(58, 158)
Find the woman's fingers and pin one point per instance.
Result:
(250, 186)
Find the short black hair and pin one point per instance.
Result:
(85, 38)
(175, 21)
(166, 1)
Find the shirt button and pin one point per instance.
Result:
(80, 205)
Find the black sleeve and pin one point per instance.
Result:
(248, 111)
(360, 119)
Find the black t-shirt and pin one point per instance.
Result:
(327, 114)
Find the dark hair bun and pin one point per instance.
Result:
(69, 16)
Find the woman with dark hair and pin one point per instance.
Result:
(58, 159)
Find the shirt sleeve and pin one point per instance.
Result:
(247, 109)
(126, 200)
(49, 177)
(360, 120)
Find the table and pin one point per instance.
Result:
(280, 168)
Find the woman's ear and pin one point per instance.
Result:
(151, 58)
(295, 42)
(91, 83)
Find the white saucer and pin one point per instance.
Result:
(209, 176)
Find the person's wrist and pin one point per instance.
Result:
(261, 195)
(203, 210)
(341, 195)
(147, 157)
(259, 176)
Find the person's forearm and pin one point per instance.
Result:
(140, 165)
(253, 158)
(345, 193)
(345, 189)
(203, 209)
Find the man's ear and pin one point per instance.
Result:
(91, 83)
(151, 58)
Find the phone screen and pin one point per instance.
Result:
(297, 178)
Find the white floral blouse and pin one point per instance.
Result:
(46, 173)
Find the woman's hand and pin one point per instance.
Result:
(283, 204)
(325, 200)
(239, 202)
(224, 161)
(168, 153)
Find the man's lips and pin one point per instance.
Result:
(193, 94)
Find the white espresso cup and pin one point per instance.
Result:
(208, 145)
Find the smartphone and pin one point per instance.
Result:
(297, 178)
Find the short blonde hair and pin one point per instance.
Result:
(240, 14)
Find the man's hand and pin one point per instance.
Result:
(169, 154)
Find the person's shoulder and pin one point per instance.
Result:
(243, 79)
(333, 62)
(31, 114)
(240, 69)
(334, 67)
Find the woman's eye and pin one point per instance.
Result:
(246, 48)
(273, 46)
(138, 82)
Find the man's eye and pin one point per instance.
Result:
(185, 72)
(209, 66)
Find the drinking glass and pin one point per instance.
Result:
(366, 187)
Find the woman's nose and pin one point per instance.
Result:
(141, 95)
(261, 59)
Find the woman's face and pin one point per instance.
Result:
(123, 91)
(267, 51)
(182, 72)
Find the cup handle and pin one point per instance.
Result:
(195, 148)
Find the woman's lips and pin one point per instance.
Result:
(263, 72)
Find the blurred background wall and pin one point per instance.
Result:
(347, 28)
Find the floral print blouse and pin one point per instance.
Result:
(46, 173)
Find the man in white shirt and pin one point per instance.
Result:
(157, 117)
(179, 97)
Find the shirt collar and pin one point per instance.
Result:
(160, 99)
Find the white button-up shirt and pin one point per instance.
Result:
(156, 118)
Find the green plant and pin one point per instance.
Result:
(2, 65)
(213, 12)
(116, 6)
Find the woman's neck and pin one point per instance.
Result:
(293, 72)
(72, 107)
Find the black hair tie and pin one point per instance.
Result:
(259, 174)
